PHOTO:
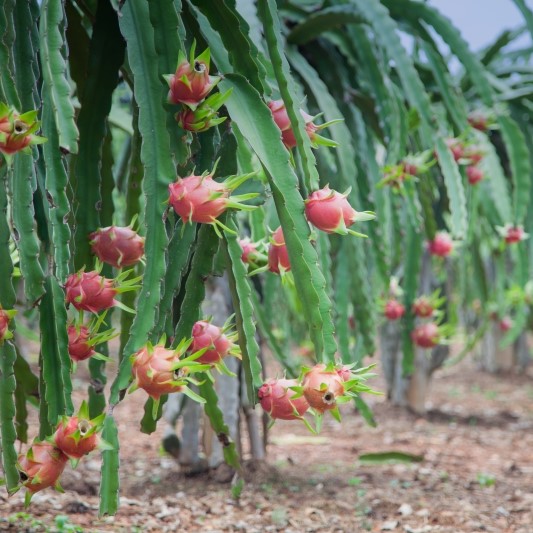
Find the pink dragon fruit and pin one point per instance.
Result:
(191, 82)
(426, 335)
(117, 246)
(322, 387)
(514, 234)
(441, 245)
(89, 291)
(276, 399)
(330, 211)
(78, 347)
(213, 340)
(422, 307)
(41, 466)
(474, 174)
(5, 319)
(278, 256)
(394, 310)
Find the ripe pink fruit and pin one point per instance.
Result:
(514, 234)
(330, 211)
(426, 335)
(441, 245)
(410, 169)
(456, 147)
(191, 82)
(4, 324)
(78, 347)
(422, 307)
(281, 118)
(41, 466)
(117, 246)
(394, 310)
(506, 323)
(478, 120)
(248, 250)
(89, 291)
(276, 399)
(278, 257)
(206, 335)
(321, 387)
(153, 372)
(17, 131)
(198, 198)
(74, 437)
(474, 174)
(344, 372)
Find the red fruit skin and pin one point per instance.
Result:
(474, 174)
(278, 256)
(344, 373)
(152, 370)
(456, 148)
(410, 169)
(426, 335)
(206, 335)
(322, 400)
(275, 398)
(282, 120)
(199, 87)
(4, 323)
(422, 307)
(78, 349)
(441, 245)
(514, 235)
(394, 310)
(248, 250)
(326, 209)
(192, 199)
(478, 121)
(88, 291)
(46, 466)
(117, 246)
(505, 324)
(64, 439)
(14, 142)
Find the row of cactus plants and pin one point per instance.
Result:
(137, 129)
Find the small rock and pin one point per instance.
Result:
(389, 526)
(405, 509)
(502, 511)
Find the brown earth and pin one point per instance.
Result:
(476, 474)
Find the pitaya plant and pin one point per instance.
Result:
(426, 335)
(77, 435)
(330, 211)
(474, 174)
(40, 467)
(191, 83)
(82, 339)
(117, 246)
(202, 199)
(278, 256)
(205, 116)
(512, 234)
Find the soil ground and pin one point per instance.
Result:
(476, 474)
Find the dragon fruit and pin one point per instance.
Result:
(276, 399)
(76, 435)
(514, 234)
(282, 120)
(474, 174)
(456, 147)
(41, 466)
(202, 199)
(214, 341)
(322, 387)
(329, 211)
(91, 292)
(117, 246)
(394, 310)
(441, 245)
(505, 324)
(17, 131)
(205, 116)
(278, 256)
(191, 82)
(423, 307)
(426, 335)
(79, 348)
(5, 319)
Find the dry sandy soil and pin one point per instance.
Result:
(476, 474)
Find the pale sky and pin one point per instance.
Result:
(480, 21)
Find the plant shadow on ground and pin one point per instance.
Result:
(476, 474)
